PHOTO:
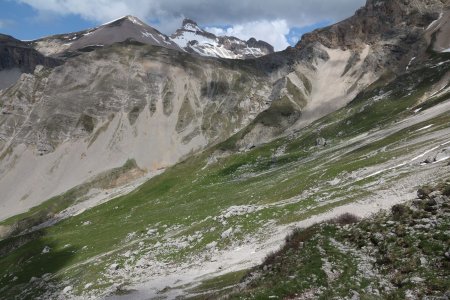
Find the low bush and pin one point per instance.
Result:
(345, 219)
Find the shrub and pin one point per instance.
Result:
(299, 236)
(345, 219)
(399, 211)
(294, 241)
(446, 190)
(424, 191)
(270, 259)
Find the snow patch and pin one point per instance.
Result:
(163, 38)
(441, 63)
(409, 64)
(425, 127)
(107, 23)
(183, 39)
(191, 27)
(135, 20)
(89, 33)
(435, 21)
(149, 35)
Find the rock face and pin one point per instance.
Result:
(195, 40)
(439, 32)
(378, 20)
(17, 57)
(17, 54)
(332, 65)
(395, 30)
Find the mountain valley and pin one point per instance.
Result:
(137, 165)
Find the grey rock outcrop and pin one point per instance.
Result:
(17, 57)
(390, 27)
(17, 54)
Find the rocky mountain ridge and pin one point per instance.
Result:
(196, 40)
(396, 31)
(189, 37)
(119, 30)
(378, 20)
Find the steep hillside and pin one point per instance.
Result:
(223, 211)
(62, 127)
(403, 254)
(155, 105)
(383, 39)
(139, 170)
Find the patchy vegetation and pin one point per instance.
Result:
(402, 254)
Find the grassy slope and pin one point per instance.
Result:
(388, 256)
(181, 201)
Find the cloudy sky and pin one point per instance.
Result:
(279, 22)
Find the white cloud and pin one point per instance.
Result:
(93, 10)
(5, 23)
(273, 32)
(296, 12)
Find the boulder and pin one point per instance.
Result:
(152, 232)
(46, 249)
(211, 245)
(321, 142)
(443, 155)
(227, 233)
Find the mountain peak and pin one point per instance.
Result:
(135, 20)
(377, 20)
(192, 38)
(190, 25)
(128, 18)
